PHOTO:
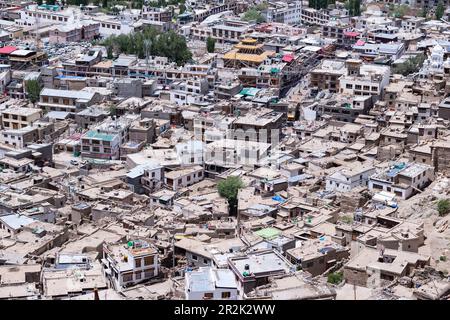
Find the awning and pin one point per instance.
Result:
(351, 34)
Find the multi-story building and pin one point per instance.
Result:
(85, 30)
(18, 118)
(336, 30)
(229, 31)
(19, 138)
(127, 264)
(208, 283)
(104, 141)
(45, 15)
(402, 179)
(181, 178)
(326, 76)
(364, 79)
(71, 101)
(289, 13)
(156, 14)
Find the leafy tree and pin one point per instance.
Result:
(347, 219)
(320, 4)
(335, 277)
(443, 207)
(182, 8)
(423, 13)
(105, 4)
(412, 65)
(439, 11)
(354, 7)
(210, 44)
(229, 189)
(400, 11)
(253, 15)
(33, 90)
(168, 44)
(109, 52)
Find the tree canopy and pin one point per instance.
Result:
(229, 189)
(168, 44)
(33, 90)
(253, 15)
(210, 44)
(320, 4)
(440, 9)
(443, 207)
(354, 7)
(412, 65)
(400, 10)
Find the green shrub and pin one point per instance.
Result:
(335, 277)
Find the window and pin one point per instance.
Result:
(149, 260)
(226, 295)
(208, 295)
(205, 261)
(127, 277)
(137, 262)
(194, 257)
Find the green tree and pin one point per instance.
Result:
(354, 7)
(168, 44)
(229, 189)
(440, 11)
(109, 52)
(400, 11)
(253, 15)
(104, 4)
(411, 65)
(182, 8)
(210, 44)
(443, 207)
(423, 13)
(33, 90)
(320, 4)
(335, 277)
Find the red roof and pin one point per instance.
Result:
(360, 43)
(7, 50)
(351, 34)
(288, 58)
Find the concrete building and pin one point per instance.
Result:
(347, 179)
(402, 179)
(18, 118)
(208, 283)
(130, 263)
(183, 177)
(66, 100)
